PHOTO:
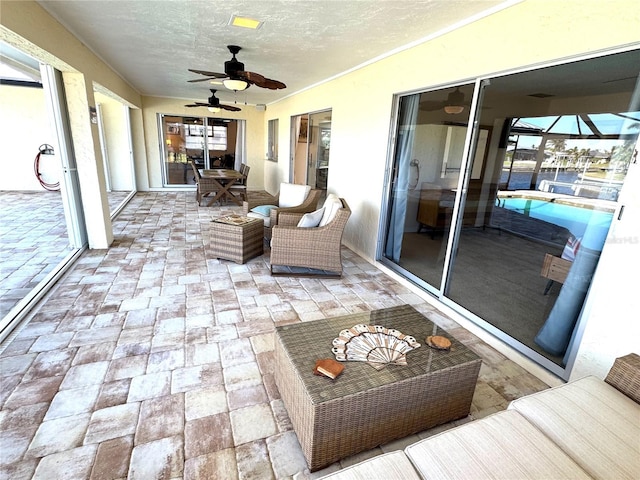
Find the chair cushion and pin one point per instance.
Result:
(331, 206)
(264, 210)
(292, 195)
(390, 466)
(266, 220)
(501, 446)
(595, 424)
(311, 220)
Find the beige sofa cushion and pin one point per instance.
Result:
(596, 425)
(390, 466)
(502, 446)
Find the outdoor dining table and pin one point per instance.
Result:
(225, 178)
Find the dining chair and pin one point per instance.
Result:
(240, 187)
(204, 186)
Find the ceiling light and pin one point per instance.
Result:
(455, 102)
(453, 109)
(235, 84)
(213, 109)
(245, 22)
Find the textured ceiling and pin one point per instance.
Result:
(302, 42)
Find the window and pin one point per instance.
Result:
(217, 137)
(272, 152)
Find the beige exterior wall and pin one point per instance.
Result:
(20, 137)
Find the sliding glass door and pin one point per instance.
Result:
(429, 147)
(209, 142)
(506, 221)
(310, 148)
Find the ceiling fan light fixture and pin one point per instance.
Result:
(213, 109)
(235, 84)
(245, 22)
(453, 109)
(455, 102)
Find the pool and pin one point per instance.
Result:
(588, 222)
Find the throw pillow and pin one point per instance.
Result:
(264, 210)
(292, 195)
(311, 220)
(331, 206)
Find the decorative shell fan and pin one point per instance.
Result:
(374, 344)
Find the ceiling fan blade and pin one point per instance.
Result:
(274, 84)
(198, 104)
(208, 74)
(231, 108)
(201, 80)
(262, 81)
(431, 106)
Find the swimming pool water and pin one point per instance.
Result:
(587, 224)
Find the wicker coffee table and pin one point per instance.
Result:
(237, 238)
(365, 407)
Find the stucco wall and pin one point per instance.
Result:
(24, 126)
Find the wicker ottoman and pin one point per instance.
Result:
(365, 407)
(237, 238)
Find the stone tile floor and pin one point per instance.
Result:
(33, 240)
(153, 360)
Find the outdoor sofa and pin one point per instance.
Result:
(589, 428)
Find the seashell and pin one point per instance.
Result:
(375, 344)
(360, 328)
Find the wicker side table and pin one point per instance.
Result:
(237, 238)
(364, 407)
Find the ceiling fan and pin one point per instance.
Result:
(235, 77)
(455, 103)
(214, 104)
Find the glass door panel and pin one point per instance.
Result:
(177, 152)
(512, 237)
(536, 218)
(319, 149)
(114, 129)
(209, 142)
(310, 149)
(427, 160)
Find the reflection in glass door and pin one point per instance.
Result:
(521, 234)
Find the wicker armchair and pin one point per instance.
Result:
(309, 205)
(317, 248)
(204, 186)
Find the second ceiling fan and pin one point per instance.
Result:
(214, 103)
(235, 77)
